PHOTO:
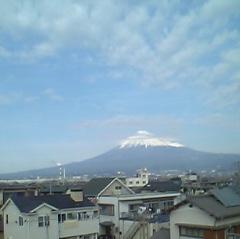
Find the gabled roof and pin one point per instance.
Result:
(96, 185)
(213, 207)
(29, 204)
(212, 204)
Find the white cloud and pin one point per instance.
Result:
(167, 46)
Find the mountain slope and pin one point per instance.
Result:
(141, 151)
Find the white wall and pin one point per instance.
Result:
(188, 216)
(31, 230)
(74, 227)
(44, 232)
(12, 229)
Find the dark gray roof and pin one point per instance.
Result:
(53, 189)
(96, 185)
(162, 186)
(26, 204)
(212, 206)
(162, 233)
(227, 196)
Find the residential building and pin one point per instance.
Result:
(140, 180)
(215, 215)
(50, 217)
(124, 213)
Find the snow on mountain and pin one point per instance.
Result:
(146, 139)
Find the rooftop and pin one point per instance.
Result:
(27, 204)
(96, 185)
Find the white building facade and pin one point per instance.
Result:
(46, 219)
(140, 180)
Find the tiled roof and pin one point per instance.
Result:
(215, 208)
(213, 204)
(96, 185)
(26, 204)
(161, 186)
(227, 196)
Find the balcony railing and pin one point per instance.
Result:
(152, 217)
(233, 236)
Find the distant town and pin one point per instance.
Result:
(141, 206)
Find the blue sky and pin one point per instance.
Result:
(76, 77)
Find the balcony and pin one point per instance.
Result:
(151, 217)
(233, 236)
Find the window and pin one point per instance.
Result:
(130, 182)
(71, 216)
(118, 188)
(43, 221)
(40, 221)
(107, 209)
(59, 218)
(95, 214)
(47, 221)
(6, 219)
(83, 216)
(20, 221)
(137, 182)
(144, 182)
(63, 217)
(191, 232)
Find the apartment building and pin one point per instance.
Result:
(140, 180)
(50, 217)
(124, 213)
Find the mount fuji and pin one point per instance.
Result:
(142, 150)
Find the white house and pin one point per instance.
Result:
(212, 216)
(50, 217)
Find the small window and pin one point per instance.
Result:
(20, 221)
(130, 182)
(144, 182)
(59, 218)
(71, 216)
(191, 232)
(6, 218)
(95, 214)
(47, 221)
(118, 188)
(137, 182)
(63, 217)
(40, 221)
(106, 209)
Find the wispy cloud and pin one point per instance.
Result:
(168, 43)
(168, 126)
(9, 98)
(52, 95)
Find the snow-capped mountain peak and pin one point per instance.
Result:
(144, 138)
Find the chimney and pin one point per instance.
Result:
(76, 194)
